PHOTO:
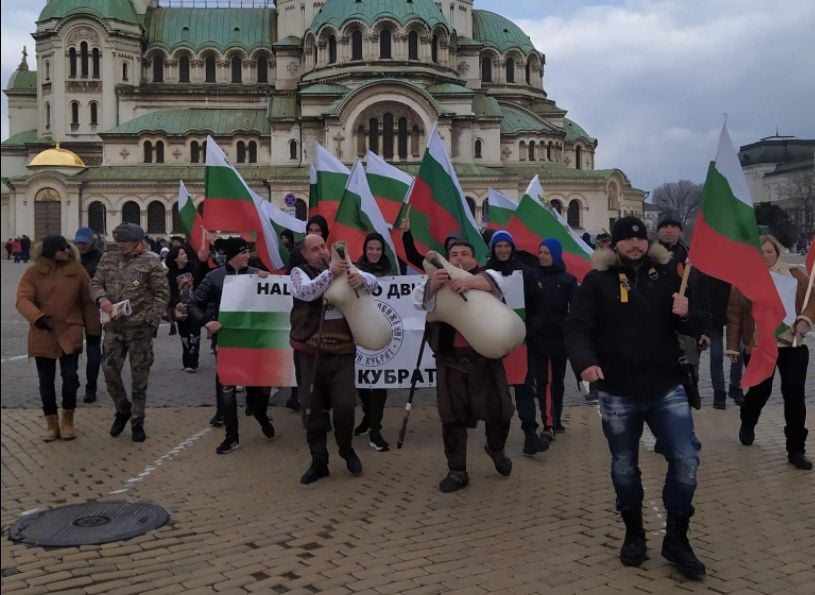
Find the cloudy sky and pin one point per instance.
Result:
(649, 78)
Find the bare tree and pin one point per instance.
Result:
(797, 196)
(681, 197)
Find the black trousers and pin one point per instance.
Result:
(547, 389)
(373, 406)
(190, 333)
(454, 436)
(93, 352)
(792, 367)
(257, 397)
(47, 373)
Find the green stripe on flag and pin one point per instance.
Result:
(255, 320)
(221, 182)
(726, 214)
(387, 188)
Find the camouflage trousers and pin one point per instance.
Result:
(136, 340)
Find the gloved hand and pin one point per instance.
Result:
(45, 322)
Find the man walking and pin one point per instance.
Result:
(621, 334)
(129, 274)
(89, 256)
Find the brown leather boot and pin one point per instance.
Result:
(67, 430)
(52, 431)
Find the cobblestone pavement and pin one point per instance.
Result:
(243, 523)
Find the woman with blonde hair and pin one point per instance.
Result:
(793, 356)
(54, 296)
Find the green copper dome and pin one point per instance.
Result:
(496, 31)
(337, 12)
(119, 10)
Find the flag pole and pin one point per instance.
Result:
(684, 286)
(806, 300)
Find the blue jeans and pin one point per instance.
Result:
(668, 416)
(717, 363)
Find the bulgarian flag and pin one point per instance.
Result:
(253, 342)
(810, 261)
(390, 187)
(280, 221)
(500, 209)
(534, 221)
(327, 179)
(438, 207)
(358, 215)
(725, 246)
(191, 221)
(233, 206)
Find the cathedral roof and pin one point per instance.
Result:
(499, 32)
(56, 157)
(185, 121)
(337, 12)
(575, 132)
(119, 10)
(517, 120)
(198, 28)
(23, 80)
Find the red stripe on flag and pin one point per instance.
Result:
(442, 222)
(326, 208)
(354, 238)
(256, 367)
(229, 214)
(515, 365)
(810, 262)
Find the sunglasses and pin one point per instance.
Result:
(62, 249)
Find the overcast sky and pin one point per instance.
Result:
(649, 79)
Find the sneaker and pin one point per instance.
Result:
(267, 429)
(362, 427)
(227, 446)
(189, 370)
(747, 434)
(293, 403)
(137, 431)
(90, 396)
(455, 480)
(559, 428)
(119, 424)
(799, 461)
(548, 433)
(217, 420)
(240, 389)
(377, 442)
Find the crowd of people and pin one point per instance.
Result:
(626, 330)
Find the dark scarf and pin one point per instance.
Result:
(383, 266)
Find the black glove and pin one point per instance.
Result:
(45, 322)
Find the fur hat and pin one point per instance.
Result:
(668, 218)
(53, 244)
(128, 232)
(626, 228)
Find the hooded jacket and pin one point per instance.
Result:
(383, 266)
(62, 291)
(206, 301)
(549, 300)
(621, 321)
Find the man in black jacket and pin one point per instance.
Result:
(90, 255)
(621, 334)
(204, 309)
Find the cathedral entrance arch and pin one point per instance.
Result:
(47, 213)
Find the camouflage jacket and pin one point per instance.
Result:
(139, 278)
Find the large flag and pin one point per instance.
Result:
(499, 210)
(191, 221)
(390, 187)
(535, 220)
(232, 206)
(810, 261)
(280, 221)
(725, 246)
(327, 180)
(438, 206)
(358, 215)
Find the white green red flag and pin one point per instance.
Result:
(535, 220)
(357, 216)
(191, 220)
(500, 209)
(232, 206)
(438, 205)
(327, 180)
(390, 187)
(725, 245)
(253, 342)
(281, 221)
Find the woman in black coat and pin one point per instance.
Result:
(184, 275)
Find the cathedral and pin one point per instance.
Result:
(125, 93)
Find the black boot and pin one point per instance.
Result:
(533, 444)
(455, 480)
(676, 548)
(503, 464)
(119, 424)
(137, 432)
(317, 470)
(363, 426)
(747, 434)
(720, 400)
(633, 551)
(736, 394)
(90, 396)
(799, 461)
(352, 462)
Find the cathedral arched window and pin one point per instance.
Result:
(253, 152)
(96, 59)
(184, 69)
(528, 73)
(361, 140)
(532, 150)
(356, 45)
(573, 214)
(72, 63)
(578, 157)
(486, 69)
(209, 69)
(237, 69)
(148, 152)
(94, 109)
(159, 152)
(385, 44)
(373, 136)
(158, 69)
(471, 204)
(124, 71)
(434, 49)
(402, 133)
(195, 152)
(47, 70)
(96, 216)
(83, 59)
(413, 45)
(332, 49)
(549, 151)
(522, 151)
(47, 116)
(301, 209)
(241, 152)
(510, 70)
(156, 218)
(131, 213)
(557, 205)
(387, 136)
(477, 151)
(74, 114)
(204, 153)
(292, 149)
(415, 141)
(263, 69)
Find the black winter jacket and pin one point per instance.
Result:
(90, 260)
(549, 299)
(634, 342)
(206, 301)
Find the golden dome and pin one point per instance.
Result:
(57, 157)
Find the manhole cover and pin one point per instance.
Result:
(90, 523)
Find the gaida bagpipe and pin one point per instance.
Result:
(369, 327)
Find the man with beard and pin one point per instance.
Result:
(332, 347)
(469, 386)
(621, 334)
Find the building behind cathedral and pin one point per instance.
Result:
(125, 93)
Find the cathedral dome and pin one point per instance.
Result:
(498, 32)
(337, 12)
(118, 10)
(56, 157)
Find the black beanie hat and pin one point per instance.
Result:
(53, 244)
(626, 228)
(668, 218)
(234, 246)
